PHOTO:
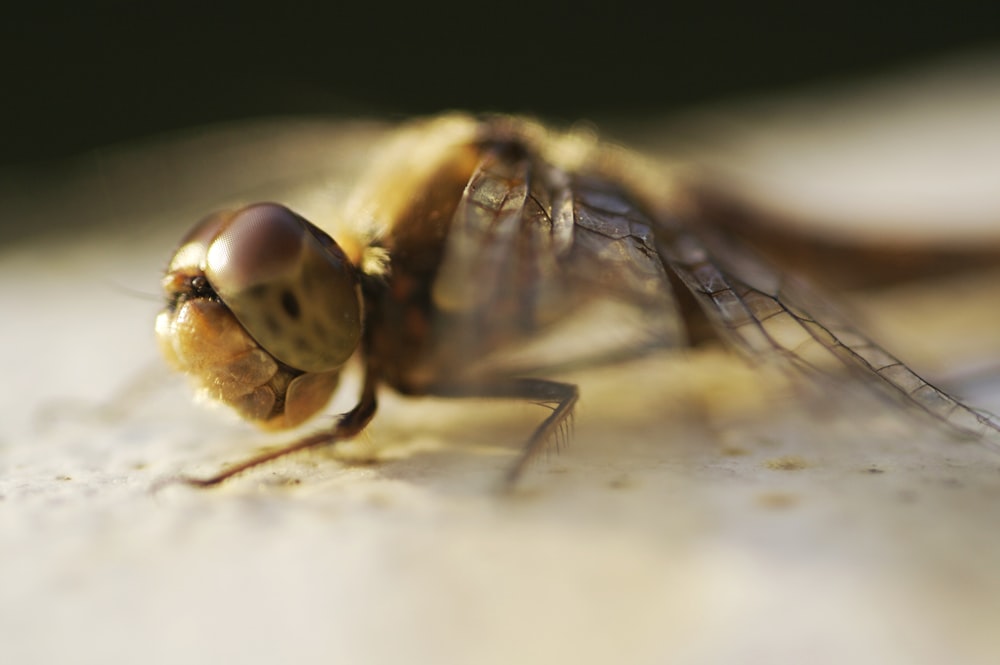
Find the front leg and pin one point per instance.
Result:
(348, 425)
(560, 397)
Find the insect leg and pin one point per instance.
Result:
(347, 426)
(560, 397)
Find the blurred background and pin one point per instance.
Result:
(84, 75)
(671, 531)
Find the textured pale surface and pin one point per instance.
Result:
(681, 525)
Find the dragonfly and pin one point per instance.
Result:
(469, 238)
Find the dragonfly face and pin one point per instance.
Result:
(492, 233)
(263, 309)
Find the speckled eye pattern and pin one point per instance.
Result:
(289, 285)
(264, 310)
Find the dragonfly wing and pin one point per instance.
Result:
(536, 260)
(772, 316)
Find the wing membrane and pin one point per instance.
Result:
(770, 316)
(532, 246)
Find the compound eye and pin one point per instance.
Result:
(289, 285)
(189, 259)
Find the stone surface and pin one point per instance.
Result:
(693, 518)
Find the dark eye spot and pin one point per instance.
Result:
(290, 304)
(259, 292)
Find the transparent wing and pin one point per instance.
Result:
(547, 268)
(532, 245)
(768, 315)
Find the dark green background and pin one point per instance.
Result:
(90, 74)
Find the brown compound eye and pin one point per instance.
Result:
(288, 284)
